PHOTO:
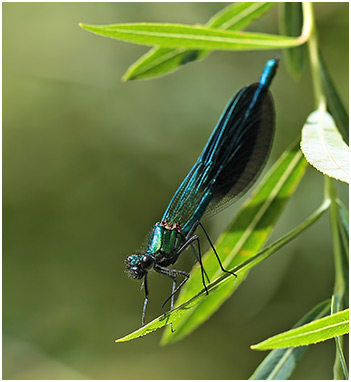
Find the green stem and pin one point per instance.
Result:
(274, 247)
(263, 254)
(339, 286)
(320, 100)
(334, 102)
(340, 368)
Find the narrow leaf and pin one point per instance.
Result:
(334, 103)
(158, 60)
(176, 314)
(316, 331)
(341, 357)
(290, 24)
(340, 368)
(280, 363)
(238, 16)
(323, 146)
(192, 37)
(242, 240)
(343, 223)
(344, 217)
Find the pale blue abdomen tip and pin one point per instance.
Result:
(269, 72)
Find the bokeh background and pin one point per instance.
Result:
(90, 163)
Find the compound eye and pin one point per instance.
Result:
(147, 262)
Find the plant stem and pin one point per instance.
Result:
(274, 247)
(339, 286)
(340, 370)
(320, 100)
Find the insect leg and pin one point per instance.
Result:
(198, 258)
(172, 299)
(214, 250)
(197, 255)
(185, 245)
(172, 273)
(145, 301)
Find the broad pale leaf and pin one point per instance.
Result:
(324, 147)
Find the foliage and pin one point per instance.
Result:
(319, 330)
(323, 146)
(241, 244)
(280, 363)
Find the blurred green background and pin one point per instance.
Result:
(90, 164)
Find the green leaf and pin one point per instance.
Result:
(192, 37)
(340, 243)
(340, 368)
(290, 24)
(159, 60)
(334, 103)
(323, 146)
(242, 240)
(316, 331)
(344, 218)
(344, 240)
(343, 223)
(238, 16)
(280, 363)
(341, 277)
(176, 314)
(342, 361)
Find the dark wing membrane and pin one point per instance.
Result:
(230, 161)
(249, 144)
(192, 195)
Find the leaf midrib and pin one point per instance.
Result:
(284, 40)
(311, 332)
(277, 367)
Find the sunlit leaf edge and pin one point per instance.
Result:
(280, 363)
(159, 61)
(317, 331)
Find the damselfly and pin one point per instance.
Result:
(230, 162)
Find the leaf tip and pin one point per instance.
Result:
(127, 77)
(254, 347)
(87, 27)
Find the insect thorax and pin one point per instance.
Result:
(164, 242)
